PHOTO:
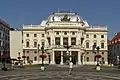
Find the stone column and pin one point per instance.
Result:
(61, 58)
(78, 39)
(69, 40)
(52, 38)
(83, 58)
(53, 57)
(79, 58)
(61, 40)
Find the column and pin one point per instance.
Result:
(61, 40)
(52, 38)
(78, 40)
(53, 57)
(83, 58)
(69, 40)
(70, 56)
(79, 57)
(61, 58)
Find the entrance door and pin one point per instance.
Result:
(65, 58)
(57, 57)
(74, 57)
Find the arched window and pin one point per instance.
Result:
(43, 42)
(87, 59)
(87, 44)
(35, 44)
(102, 45)
(27, 44)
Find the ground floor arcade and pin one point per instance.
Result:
(62, 56)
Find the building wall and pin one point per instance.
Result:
(4, 38)
(57, 28)
(15, 44)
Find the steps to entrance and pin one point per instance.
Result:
(68, 65)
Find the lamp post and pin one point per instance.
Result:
(70, 57)
(19, 57)
(97, 56)
(24, 57)
(42, 56)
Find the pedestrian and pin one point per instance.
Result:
(70, 67)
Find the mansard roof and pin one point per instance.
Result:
(115, 39)
(65, 16)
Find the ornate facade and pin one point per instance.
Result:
(60, 29)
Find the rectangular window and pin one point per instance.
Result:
(27, 44)
(94, 36)
(35, 35)
(27, 51)
(73, 41)
(35, 58)
(87, 35)
(65, 41)
(27, 58)
(94, 58)
(35, 44)
(27, 35)
(102, 36)
(49, 40)
(42, 35)
(57, 41)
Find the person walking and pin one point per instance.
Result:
(70, 67)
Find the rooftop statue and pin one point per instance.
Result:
(65, 18)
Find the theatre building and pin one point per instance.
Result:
(59, 30)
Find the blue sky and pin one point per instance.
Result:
(96, 12)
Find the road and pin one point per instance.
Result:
(57, 73)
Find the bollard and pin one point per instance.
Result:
(98, 68)
(42, 68)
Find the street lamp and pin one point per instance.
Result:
(42, 56)
(24, 57)
(19, 57)
(97, 56)
(70, 57)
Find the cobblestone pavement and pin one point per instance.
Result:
(58, 73)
